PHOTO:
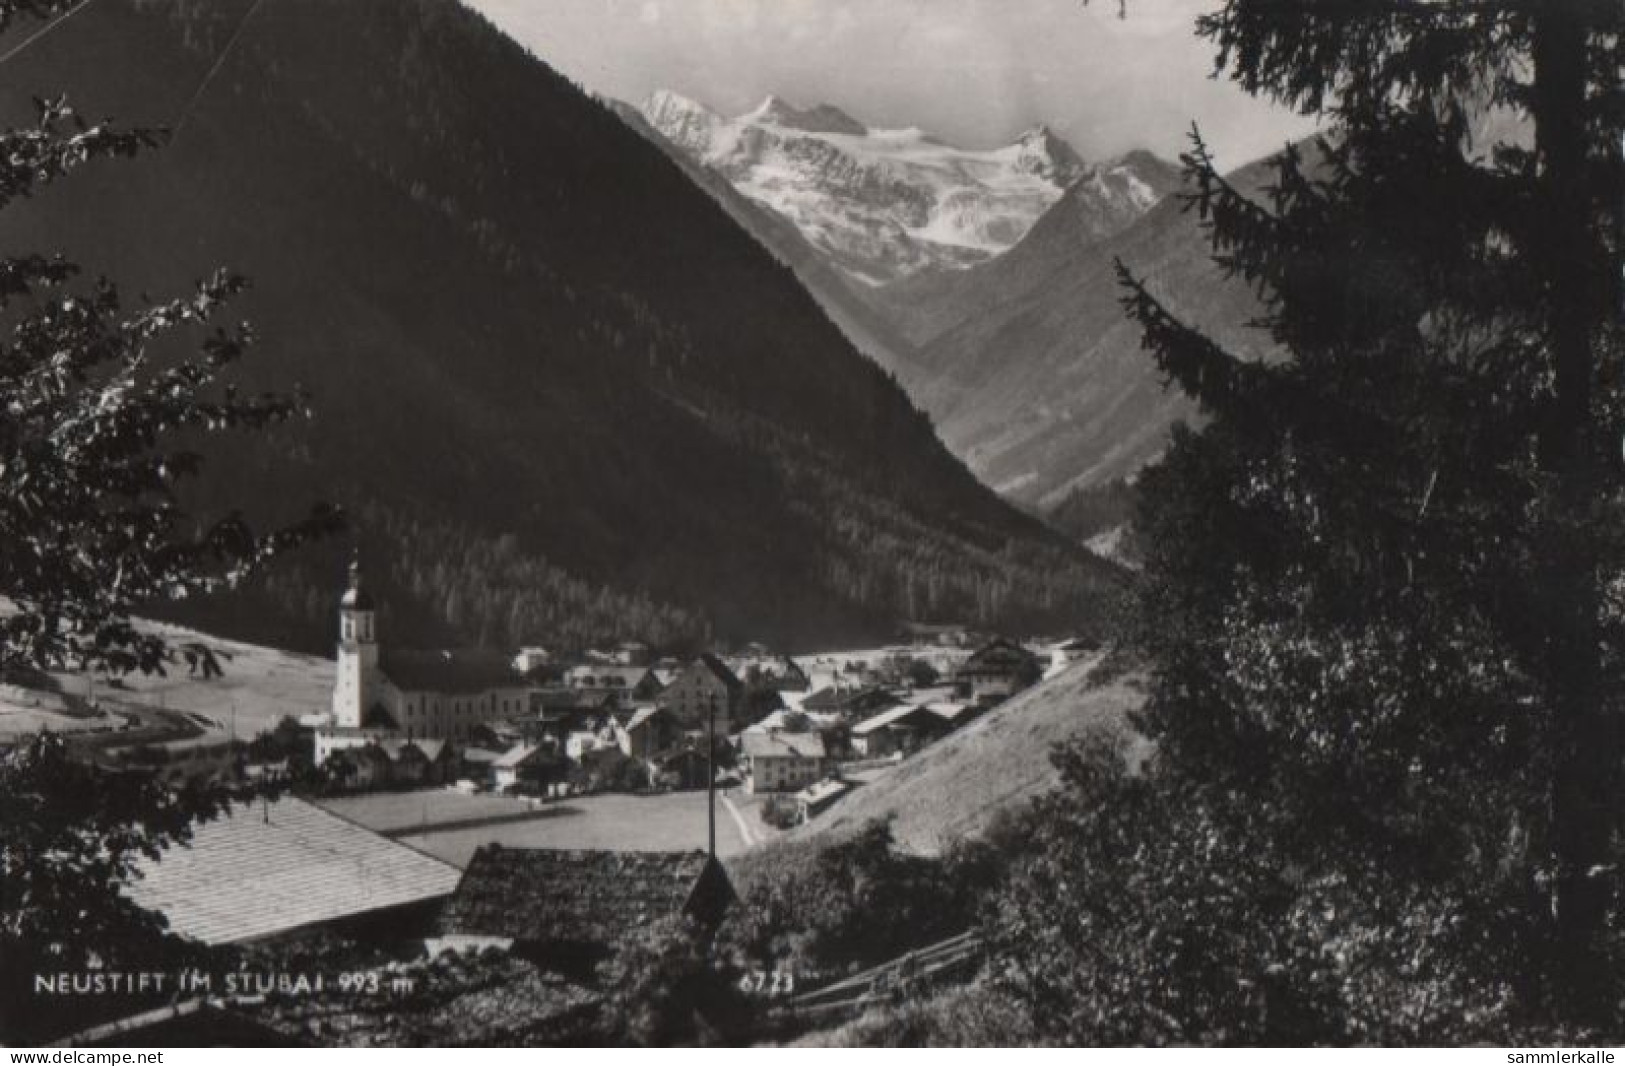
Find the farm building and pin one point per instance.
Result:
(275, 869)
(569, 908)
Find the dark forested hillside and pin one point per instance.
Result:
(563, 396)
(867, 329)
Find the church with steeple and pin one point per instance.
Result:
(409, 696)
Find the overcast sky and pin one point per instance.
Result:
(975, 72)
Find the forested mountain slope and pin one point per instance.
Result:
(563, 396)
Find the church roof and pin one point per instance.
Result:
(356, 597)
(357, 600)
(456, 672)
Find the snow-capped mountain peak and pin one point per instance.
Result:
(687, 123)
(1041, 152)
(824, 118)
(882, 204)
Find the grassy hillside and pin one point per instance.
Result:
(564, 397)
(958, 786)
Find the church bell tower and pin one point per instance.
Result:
(354, 684)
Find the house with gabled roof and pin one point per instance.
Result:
(623, 684)
(900, 729)
(706, 688)
(646, 731)
(777, 760)
(998, 670)
(528, 767)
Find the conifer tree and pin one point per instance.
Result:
(1383, 582)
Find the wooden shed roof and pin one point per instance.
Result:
(541, 895)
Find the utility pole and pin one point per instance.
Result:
(711, 779)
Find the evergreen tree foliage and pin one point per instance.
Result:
(1382, 596)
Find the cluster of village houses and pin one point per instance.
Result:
(292, 871)
(531, 723)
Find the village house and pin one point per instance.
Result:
(900, 729)
(779, 673)
(529, 660)
(646, 732)
(590, 733)
(408, 765)
(527, 768)
(779, 761)
(361, 767)
(851, 703)
(624, 685)
(706, 688)
(569, 909)
(680, 768)
(475, 765)
(632, 653)
(999, 670)
(1068, 652)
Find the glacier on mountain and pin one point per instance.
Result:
(882, 204)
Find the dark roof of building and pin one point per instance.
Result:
(431, 749)
(1000, 656)
(267, 870)
(594, 675)
(846, 700)
(358, 754)
(719, 669)
(566, 700)
(539, 895)
(902, 717)
(457, 672)
(398, 749)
